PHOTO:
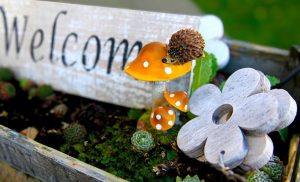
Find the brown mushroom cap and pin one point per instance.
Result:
(178, 99)
(148, 65)
(162, 118)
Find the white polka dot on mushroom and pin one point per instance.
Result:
(168, 70)
(185, 107)
(146, 64)
(170, 112)
(172, 95)
(158, 126)
(177, 103)
(170, 122)
(158, 116)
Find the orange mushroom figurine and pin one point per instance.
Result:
(158, 62)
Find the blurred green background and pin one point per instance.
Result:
(269, 22)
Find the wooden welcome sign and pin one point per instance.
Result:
(80, 49)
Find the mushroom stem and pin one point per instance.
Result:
(158, 90)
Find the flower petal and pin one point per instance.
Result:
(205, 99)
(287, 107)
(257, 114)
(243, 83)
(230, 141)
(260, 152)
(192, 136)
(265, 83)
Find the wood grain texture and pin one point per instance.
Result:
(234, 123)
(288, 107)
(260, 152)
(269, 60)
(46, 163)
(77, 30)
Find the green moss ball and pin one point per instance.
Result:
(75, 133)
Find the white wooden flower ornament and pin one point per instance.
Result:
(231, 126)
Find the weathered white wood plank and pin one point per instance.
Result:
(81, 49)
(44, 162)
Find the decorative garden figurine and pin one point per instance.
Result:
(159, 63)
(232, 126)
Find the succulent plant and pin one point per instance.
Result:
(142, 141)
(188, 178)
(7, 91)
(274, 169)
(6, 74)
(259, 176)
(26, 84)
(75, 133)
(185, 45)
(44, 91)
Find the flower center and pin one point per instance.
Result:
(222, 114)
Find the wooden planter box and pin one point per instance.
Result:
(49, 164)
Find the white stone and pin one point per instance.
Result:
(220, 50)
(211, 27)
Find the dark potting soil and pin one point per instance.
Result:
(107, 144)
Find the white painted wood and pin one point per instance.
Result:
(241, 84)
(76, 24)
(258, 114)
(236, 121)
(260, 152)
(287, 109)
(235, 147)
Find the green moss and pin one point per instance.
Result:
(188, 178)
(112, 151)
(274, 168)
(259, 176)
(6, 74)
(74, 134)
